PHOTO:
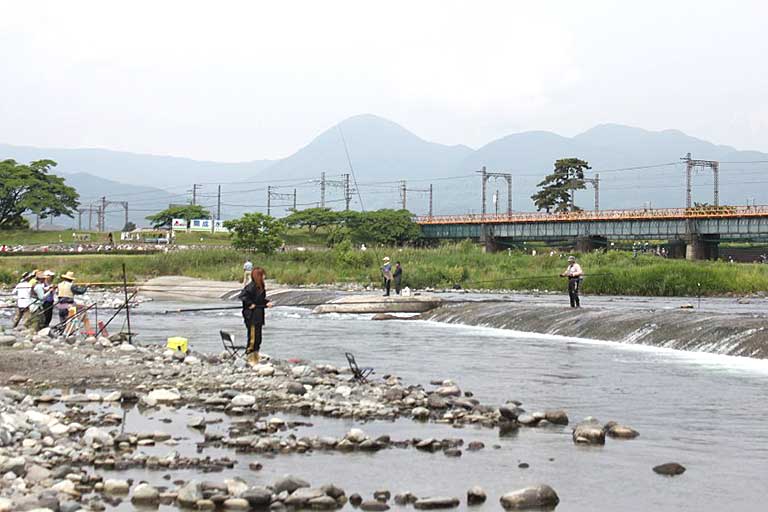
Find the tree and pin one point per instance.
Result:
(129, 226)
(557, 189)
(256, 231)
(186, 212)
(31, 189)
(387, 227)
(313, 218)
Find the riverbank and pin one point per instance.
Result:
(612, 273)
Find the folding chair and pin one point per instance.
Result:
(233, 351)
(358, 374)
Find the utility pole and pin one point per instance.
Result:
(294, 199)
(195, 186)
(218, 204)
(403, 195)
(322, 189)
(596, 185)
(691, 166)
(347, 191)
(485, 175)
(90, 217)
(79, 219)
(269, 200)
(430, 200)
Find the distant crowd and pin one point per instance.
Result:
(39, 295)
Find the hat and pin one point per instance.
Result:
(386, 258)
(39, 274)
(571, 258)
(26, 275)
(69, 276)
(49, 273)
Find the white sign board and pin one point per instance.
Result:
(201, 225)
(218, 227)
(179, 224)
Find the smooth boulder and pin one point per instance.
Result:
(540, 496)
(669, 469)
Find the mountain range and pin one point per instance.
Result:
(637, 167)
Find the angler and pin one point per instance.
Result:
(574, 274)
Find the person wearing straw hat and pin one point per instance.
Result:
(67, 291)
(386, 272)
(574, 274)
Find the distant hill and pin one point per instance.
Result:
(383, 152)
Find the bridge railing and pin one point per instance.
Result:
(696, 212)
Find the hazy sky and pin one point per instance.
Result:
(246, 80)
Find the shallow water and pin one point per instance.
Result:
(703, 411)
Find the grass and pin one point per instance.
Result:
(614, 273)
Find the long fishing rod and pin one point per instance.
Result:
(550, 276)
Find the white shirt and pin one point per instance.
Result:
(248, 266)
(23, 293)
(573, 270)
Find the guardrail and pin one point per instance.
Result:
(697, 212)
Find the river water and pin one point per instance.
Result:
(701, 410)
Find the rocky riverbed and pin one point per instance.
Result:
(65, 443)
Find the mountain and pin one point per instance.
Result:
(149, 170)
(382, 153)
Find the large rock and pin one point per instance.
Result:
(620, 431)
(476, 496)
(302, 496)
(37, 473)
(355, 435)
(7, 340)
(669, 469)
(189, 494)
(243, 400)
(558, 417)
(95, 435)
(115, 486)
(540, 496)
(289, 483)
(164, 395)
(257, 496)
(145, 494)
(435, 503)
(236, 504)
(588, 432)
(373, 506)
(15, 464)
(236, 487)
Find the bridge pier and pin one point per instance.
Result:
(676, 249)
(704, 247)
(590, 243)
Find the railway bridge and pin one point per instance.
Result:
(695, 232)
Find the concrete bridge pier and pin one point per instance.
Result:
(676, 249)
(702, 247)
(590, 243)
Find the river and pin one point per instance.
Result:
(701, 410)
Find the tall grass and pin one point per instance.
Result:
(615, 273)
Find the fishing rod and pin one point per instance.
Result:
(533, 277)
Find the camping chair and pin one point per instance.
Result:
(358, 374)
(233, 352)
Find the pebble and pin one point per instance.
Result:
(669, 469)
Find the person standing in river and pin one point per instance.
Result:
(254, 298)
(574, 273)
(386, 273)
(247, 269)
(397, 275)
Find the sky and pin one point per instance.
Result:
(246, 80)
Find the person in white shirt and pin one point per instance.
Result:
(574, 273)
(23, 292)
(247, 269)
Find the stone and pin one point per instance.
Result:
(540, 496)
(205, 505)
(190, 494)
(65, 486)
(236, 504)
(451, 390)
(95, 435)
(669, 469)
(588, 432)
(437, 402)
(191, 360)
(528, 420)
(115, 486)
(294, 388)
(37, 473)
(405, 498)
(164, 395)
(476, 496)
(435, 503)
(301, 496)
(355, 500)
(420, 413)
(236, 487)
(127, 347)
(6, 340)
(382, 495)
(373, 505)
(333, 491)
(114, 396)
(621, 431)
(145, 494)
(257, 496)
(289, 483)
(355, 435)
(558, 417)
(243, 401)
(474, 446)
(322, 503)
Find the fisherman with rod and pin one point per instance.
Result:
(254, 299)
(574, 274)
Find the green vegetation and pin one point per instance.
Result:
(30, 188)
(30, 237)
(557, 188)
(615, 273)
(187, 212)
(383, 227)
(256, 232)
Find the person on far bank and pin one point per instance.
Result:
(574, 273)
(386, 273)
(397, 275)
(254, 298)
(247, 269)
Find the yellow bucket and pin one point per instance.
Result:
(177, 343)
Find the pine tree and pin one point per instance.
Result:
(557, 189)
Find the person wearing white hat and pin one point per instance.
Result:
(386, 272)
(574, 274)
(67, 291)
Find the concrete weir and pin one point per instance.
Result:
(378, 304)
(189, 289)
